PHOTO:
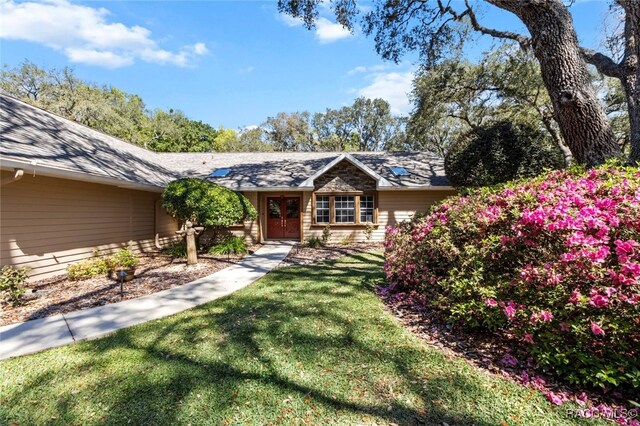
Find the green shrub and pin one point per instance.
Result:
(347, 240)
(499, 153)
(368, 231)
(12, 283)
(124, 258)
(206, 204)
(231, 245)
(88, 268)
(177, 250)
(314, 242)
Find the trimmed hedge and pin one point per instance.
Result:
(206, 204)
(501, 152)
(552, 263)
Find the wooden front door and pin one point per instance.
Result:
(283, 217)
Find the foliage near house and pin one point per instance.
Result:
(206, 204)
(501, 152)
(230, 245)
(553, 263)
(89, 268)
(12, 283)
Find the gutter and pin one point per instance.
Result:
(17, 175)
(34, 168)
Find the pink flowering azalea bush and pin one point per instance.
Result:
(551, 263)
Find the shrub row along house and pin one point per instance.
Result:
(69, 191)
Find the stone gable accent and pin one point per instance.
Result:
(344, 177)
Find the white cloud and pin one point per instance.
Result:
(328, 32)
(246, 70)
(290, 21)
(392, 87)
(84, 35)
(200, 49)
(362, 69)
(95, 57)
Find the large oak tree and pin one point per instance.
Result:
(432, 27)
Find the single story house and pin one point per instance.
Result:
(68, 191)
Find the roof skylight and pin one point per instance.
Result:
(220, 172)
(399, 171)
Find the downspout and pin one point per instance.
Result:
(17, 175)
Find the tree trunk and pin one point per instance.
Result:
(582, 121)
(631, 73)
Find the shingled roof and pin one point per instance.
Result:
(34, 138)
(289, 170)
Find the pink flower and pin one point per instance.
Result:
(510, 312)
(575, 297)
(528, 337)
(599, 301)
(554, 398)
(491, 302)
(625, 248)
(509, 360)
(564, 326)
(545, 316)
(582, 399)
(596, 329)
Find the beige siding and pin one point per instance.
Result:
(393, 207)
(250, 231)
(48, 223)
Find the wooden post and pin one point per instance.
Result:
(190, 233)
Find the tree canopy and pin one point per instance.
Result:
(205, 203)
(436, 29)
(500, 152)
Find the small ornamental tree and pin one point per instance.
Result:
(501, 152)
(206, 204)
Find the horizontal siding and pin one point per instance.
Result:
(47, 224)
(393, 207)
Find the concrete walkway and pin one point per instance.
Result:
(62, 329)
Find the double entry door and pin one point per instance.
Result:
(283, 217)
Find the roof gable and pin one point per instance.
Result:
(380, 181)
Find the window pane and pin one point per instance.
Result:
(293, 208)
(366, 208)
(322, 209)
(274, 209)
(345, 209)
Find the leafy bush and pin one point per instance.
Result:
(178, 249)
(347, 240)
(314, 242)
(231, 245)
(89, 268)
(368, 231)
(206, 204)
(12, 283)
(124, 258)
(552, 263)
(499, 153)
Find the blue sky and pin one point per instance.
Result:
(227, 63)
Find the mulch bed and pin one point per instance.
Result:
(486, 351)
(304, 255)
(154, 273)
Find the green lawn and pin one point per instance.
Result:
(304, 345)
